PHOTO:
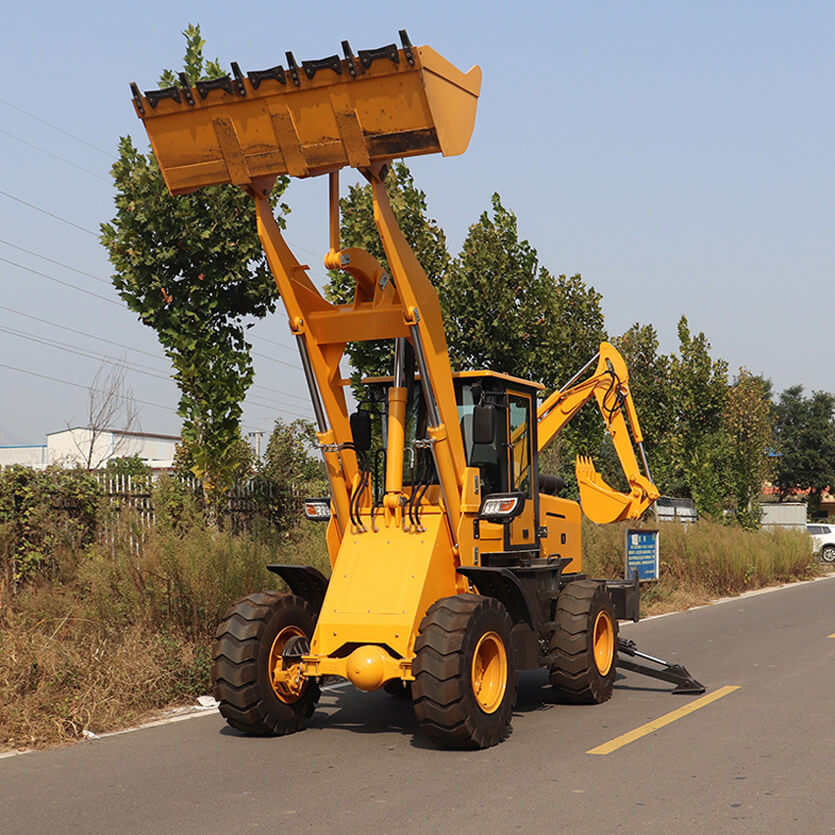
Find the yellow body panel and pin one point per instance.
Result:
(562, 519)
(383, 583)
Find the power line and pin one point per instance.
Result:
(99, 391)
(86, 388)
(54, 156)
(51, 214)
(55, 127)
(60, 281)
(133, 349)
(134, 367)
(57, 263)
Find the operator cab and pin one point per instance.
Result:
(497, 420)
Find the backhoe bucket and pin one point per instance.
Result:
(600, 502)
(310, 119)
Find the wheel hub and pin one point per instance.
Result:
(604, 642)
(285, 668)
(489, 672)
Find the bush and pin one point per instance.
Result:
(125, 626)
(703, 561)
(43, 512)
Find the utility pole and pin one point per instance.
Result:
(257, 435)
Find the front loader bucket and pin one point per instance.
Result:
(310, 119)
(600, 502)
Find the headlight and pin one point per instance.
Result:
(317, 510)
(502, 507)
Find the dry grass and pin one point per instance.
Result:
(125, 634)
(703, 562)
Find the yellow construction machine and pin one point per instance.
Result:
(454, 561)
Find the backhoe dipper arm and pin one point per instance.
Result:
(609, 385)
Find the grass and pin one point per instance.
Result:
(119, 632)
(128, 631)
(703, 562)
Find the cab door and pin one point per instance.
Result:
(520, 467)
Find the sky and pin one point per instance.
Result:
(679, 155)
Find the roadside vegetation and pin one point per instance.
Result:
(108, 631)
(703, 561)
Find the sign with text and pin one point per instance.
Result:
(642, 554)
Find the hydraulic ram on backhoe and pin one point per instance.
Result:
(454, 563)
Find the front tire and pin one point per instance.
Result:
(259, 687)
(585, 644)
(465, 678)
(828, 553)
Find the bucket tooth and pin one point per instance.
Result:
(349, 59)
(407, 48)
(137, 98)
(275, 73)
(186, 88)
(332, 62)
(369, 56)
(239, 78)
(222, 83)
(156, 96)
(293, 68)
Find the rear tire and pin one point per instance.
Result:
(465, 679)
(585, 644)
(828, 553)
(248, 648)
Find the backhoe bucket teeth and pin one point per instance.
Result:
(600, 502)
(310, 119)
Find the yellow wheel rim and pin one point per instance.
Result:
(287, 680)
(489, 672)
(604, 642)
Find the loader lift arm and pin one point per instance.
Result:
(609, 385)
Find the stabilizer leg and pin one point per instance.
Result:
(673, 673)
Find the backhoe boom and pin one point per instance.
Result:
(609, 385)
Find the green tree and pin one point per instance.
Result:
(649, 382)
(749, 421)
(193, 269)
(805, 433)
(289, 460)
(699, 445)
(499, 305)
(357, 228)
(505, 312)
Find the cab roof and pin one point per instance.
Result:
(459, 375)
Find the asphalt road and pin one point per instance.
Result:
(760, 759)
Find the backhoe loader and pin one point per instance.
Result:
(455, 563)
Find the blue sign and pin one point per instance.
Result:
(642, 554)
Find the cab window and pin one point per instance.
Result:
(519, 433)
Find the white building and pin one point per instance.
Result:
(71, 447)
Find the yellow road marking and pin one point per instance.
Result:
(655, 724)
(831, 636)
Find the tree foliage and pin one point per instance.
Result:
(289, 459)
(749, 421)
(805, 433)
(192, 268)
(357, 228)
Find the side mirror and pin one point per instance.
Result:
(484, 424)
(361, 431)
